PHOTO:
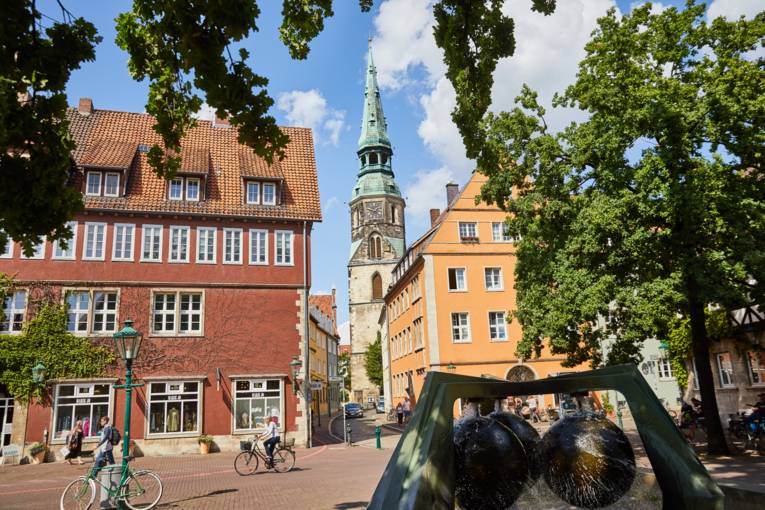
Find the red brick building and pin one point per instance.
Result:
(213, 267)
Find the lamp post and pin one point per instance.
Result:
(39, 372)
(127, 343)
(451, 367)
(295, 365)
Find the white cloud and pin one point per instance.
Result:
(427, 192)
(330, 204)
(206, 112)
(344, 330)
(309, 109)
(733, 9)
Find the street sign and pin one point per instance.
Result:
(335, 379)
(316, 385)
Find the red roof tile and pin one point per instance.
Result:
(326, 305)
(108, 154)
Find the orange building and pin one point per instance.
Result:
(449, 298)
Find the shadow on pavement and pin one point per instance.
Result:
(175, 504)
(351, 504)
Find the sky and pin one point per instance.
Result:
(325, 93)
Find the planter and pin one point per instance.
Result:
(38, 458)
(204, 448)
(131, 447)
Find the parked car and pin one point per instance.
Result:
(353, 410)
(381, 405)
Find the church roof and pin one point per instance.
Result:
(374, 129)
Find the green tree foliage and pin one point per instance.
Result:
(344, 368)
(46, 339)
(373, 362)
(674, 227)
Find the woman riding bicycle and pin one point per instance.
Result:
(271, 430)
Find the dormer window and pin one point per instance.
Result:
(93, 184)
(253, 192)
(176, 189)
(112, 184)
(269, 193)
(257, 192)
(192, 189)
(184, 188)
(100, 183)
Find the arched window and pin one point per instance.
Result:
(373, 158)
(376, 286)
(375, 247)
(384, 158)
(393, 215)
(363, 160)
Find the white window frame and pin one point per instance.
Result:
(87, 183)
(466, 340)
(263, 190)
(91, 311)
(235, 413)
(501, 286)
(8, 313)
(467, 237)
(88, 225)
(106, 178)
(39, 253)
(8, 253)
(145, 229)
(214, 257)
(497, 326)
(123, 258)
(150, 400)
(464, 287)
(176, 331)
(254, 232)
(256, 185)
(732, 382)
(186, 188)
(71, 251)
(664, 369)
(170, 189)
(93, 424)
(240, 255)
(760, 369)
(291, 235)
(503, 236)
(170, 258)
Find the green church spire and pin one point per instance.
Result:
(374, 130)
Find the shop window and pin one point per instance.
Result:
(255, 400)
(86, 403)
(174, 407)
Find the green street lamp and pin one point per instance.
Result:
(39, 372)
(127, 343)
(451, 367)
(295, 365)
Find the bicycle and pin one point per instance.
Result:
(139, 490)
(246, 463)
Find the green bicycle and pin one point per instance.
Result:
(138, 490)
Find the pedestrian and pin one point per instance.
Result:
(407, 409)
(74, 443)
(400, 413)
(106, 443)
(519, 407)
(533, 409)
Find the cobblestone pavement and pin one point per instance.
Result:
(330, 476)
(363, 430)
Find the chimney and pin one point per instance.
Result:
(434, 214)
(86, 106)
(451, 193)
(221, 122)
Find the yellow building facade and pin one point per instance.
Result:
(448, 304)
(323, 343)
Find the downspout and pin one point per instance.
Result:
(306, 344)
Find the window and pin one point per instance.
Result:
(468, 232)
(377, 286)
(418, 334)
(375, 247)
(415, 288)
(499, 233)
(38, 251)
(457, 279)
(258, 246)
(269, 193)
(254, 401)
(460, 327)
(179, 244)
(725, 369)
(206, 245)
(192, 190)
(493, 278)
(232, 245)
(14, 306)
(756, 362)
(84, 402)
(373, 158)
(151, 245)
(7, 251)
(91, 312)
(95, 238)
(174, 407)
(93, 184)
(112, 184)
(69, 253)
(124, 235)
(665, 368)
(253, 192)
(177, 313)
(176, 189)
(283, 248)
(497, 326)
(393, 217)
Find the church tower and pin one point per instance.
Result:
(377, 234)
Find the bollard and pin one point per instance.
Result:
(348, 431)
(378, 433)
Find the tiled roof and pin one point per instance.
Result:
(251, 165)
(325, 304)
(221, 150)
(108, 154)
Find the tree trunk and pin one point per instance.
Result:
(716, 444)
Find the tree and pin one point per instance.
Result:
(344, 369)
(186, 50)
(655, 205)
(373, 362)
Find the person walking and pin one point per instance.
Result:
(74, 443)
(407, 409)
(106, 453)
(533, 409)
(400, 413)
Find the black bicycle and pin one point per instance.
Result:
(247, 462)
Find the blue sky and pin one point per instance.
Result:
(325, 93)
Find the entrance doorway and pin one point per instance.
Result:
(6, 421)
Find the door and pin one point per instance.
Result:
(6, 421)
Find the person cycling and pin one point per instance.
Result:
(272, 429)
(758, 412)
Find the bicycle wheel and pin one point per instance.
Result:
(142, 490)
(246, 463)
(284, 460)
(79, 494)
